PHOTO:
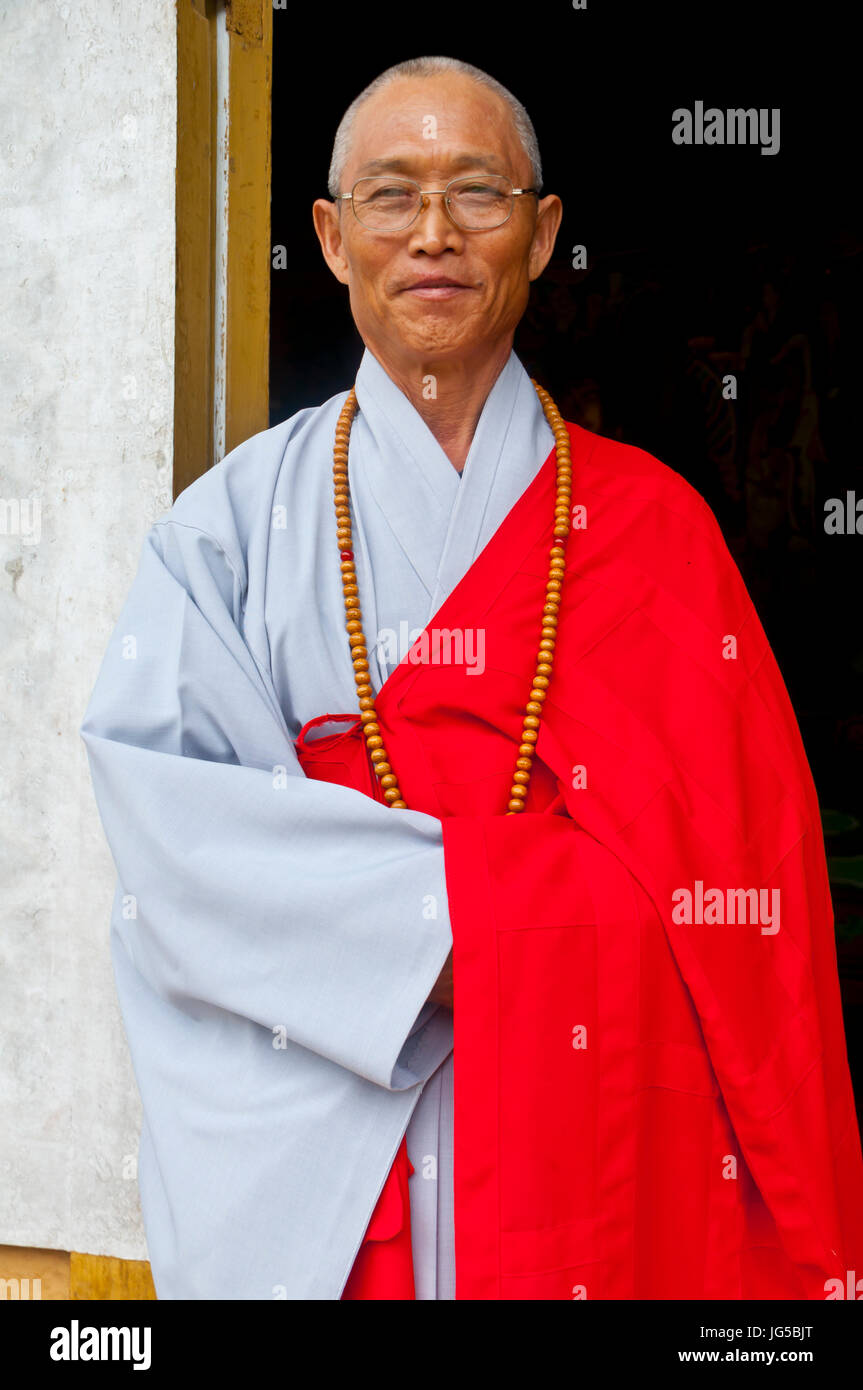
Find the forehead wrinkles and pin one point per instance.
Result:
(407, 162)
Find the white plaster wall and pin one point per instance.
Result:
(87, 155)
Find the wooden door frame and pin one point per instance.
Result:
(222, 324)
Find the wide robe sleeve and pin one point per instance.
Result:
(245, 886)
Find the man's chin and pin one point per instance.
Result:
(430, 335)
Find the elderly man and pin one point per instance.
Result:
(426, 692)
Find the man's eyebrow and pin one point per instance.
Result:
(397, 165)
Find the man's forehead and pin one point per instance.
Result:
(409, 116)
(435, 131)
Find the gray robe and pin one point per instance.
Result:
(275, 938)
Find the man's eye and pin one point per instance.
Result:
(479, 193)
(390, 192)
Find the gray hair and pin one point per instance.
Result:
(432, 67)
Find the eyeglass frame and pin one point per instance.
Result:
(424, 194)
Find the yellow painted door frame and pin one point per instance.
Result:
(221, 376)
(222, 336)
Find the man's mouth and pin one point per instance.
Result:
(436, 287)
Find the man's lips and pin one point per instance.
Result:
(435, 287)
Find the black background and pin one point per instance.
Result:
(701, 261)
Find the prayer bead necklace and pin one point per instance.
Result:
(354, 622)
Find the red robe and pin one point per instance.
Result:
(645, 1107)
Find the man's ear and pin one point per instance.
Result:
(549, 218)
(329, 230)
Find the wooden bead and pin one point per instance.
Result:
(353, 613)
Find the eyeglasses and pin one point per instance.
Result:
(474, 204)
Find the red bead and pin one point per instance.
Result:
(346, 554)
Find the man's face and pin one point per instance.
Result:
(398, 317)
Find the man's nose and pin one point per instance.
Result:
(433, 222)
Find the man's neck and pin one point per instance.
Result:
(449, 396)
